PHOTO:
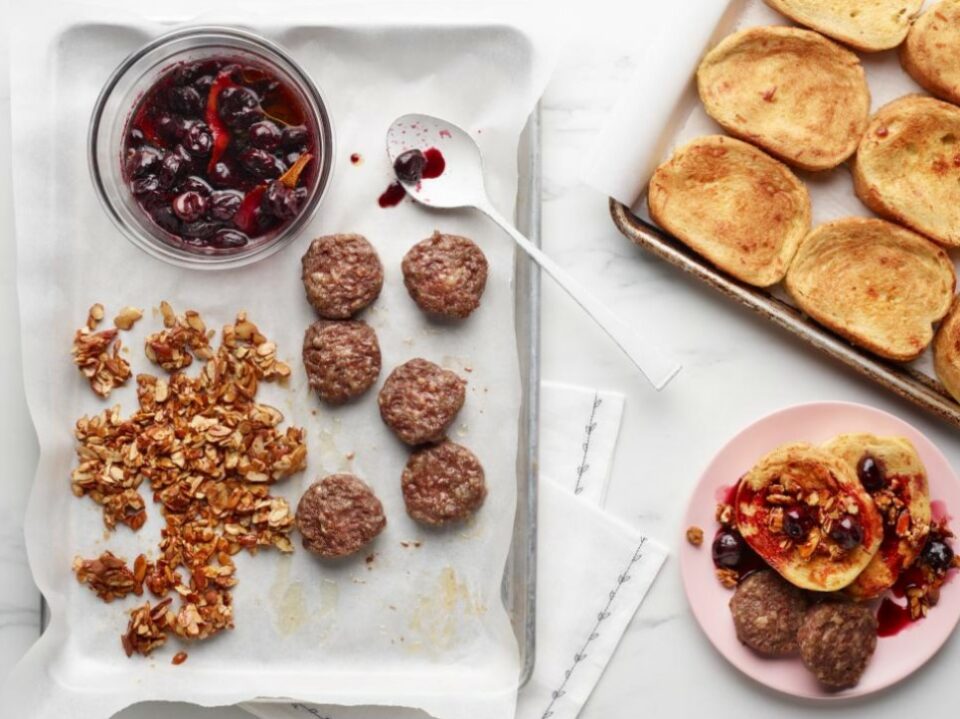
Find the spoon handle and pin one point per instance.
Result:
(657, 368)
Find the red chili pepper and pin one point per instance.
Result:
(218, 130)
(245, 216)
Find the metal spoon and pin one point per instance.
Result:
(461, 185)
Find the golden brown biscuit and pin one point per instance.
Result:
(733, 204)
(794, 93)
(868, 25)
(930, 53)
(805, 513)
(879, 285)
(908, 166)
(946, 351)
(890, 469)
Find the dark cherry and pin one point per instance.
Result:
(264, 134)
(189, 206)
(261, 163)
(187, 73)
(171, 127)
(143, 160)
(222, 175)
(294, 136)
(871, 473)
(198, 139)
(796, 523)
(282, 202)
(203, 84)
(185, 100)
(145, 185)
(937, 555)
(224, 204)
(847, 532)
(409, 166)
(201, 229)
(195, 184)
(728, 549)
(228, 239)
(239, 106)
(170, 169)
(164, 217)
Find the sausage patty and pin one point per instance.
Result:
(342, 359)
(419, 400)
(445, 275)
(443, 483)
(837, 640)
(338, 515)
(767, 612)
(342, 274)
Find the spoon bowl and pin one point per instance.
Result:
(461, 183)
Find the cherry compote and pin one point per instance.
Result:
(219, 153)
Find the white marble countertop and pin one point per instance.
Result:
(736, 368)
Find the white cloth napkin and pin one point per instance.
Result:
(643, 117)
(579, 458)
(593, 571)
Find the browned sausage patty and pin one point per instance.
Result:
(419, 401)
(837, 640)
(342, 359)
(445, 275)
(338, 515)
(443, 483)
(767, 612)
(342, 274)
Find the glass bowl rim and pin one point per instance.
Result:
(182, 258)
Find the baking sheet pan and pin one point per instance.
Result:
(519, 577)
(832, 197)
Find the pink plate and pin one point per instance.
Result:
(896, 657)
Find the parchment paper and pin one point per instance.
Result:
(831, 193)
(421, 627)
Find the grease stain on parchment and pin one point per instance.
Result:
(332, 458)
(441, 614)
(288, 602)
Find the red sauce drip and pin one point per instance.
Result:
(727, 494)
(938, 510)
(355, 158)
(435, 163)
(912, 577)
(392, 196)
(892, 618)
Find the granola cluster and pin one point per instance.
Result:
(924, 580)
(819, 512)
(97, 354)
(209, 453)
(181, 339)
(895, 513)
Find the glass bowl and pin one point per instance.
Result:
(134, 78)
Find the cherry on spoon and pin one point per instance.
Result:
(460, 184)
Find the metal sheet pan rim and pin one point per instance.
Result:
(902, 380)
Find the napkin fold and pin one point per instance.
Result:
(593, 570)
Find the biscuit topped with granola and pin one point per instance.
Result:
(804, 511)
